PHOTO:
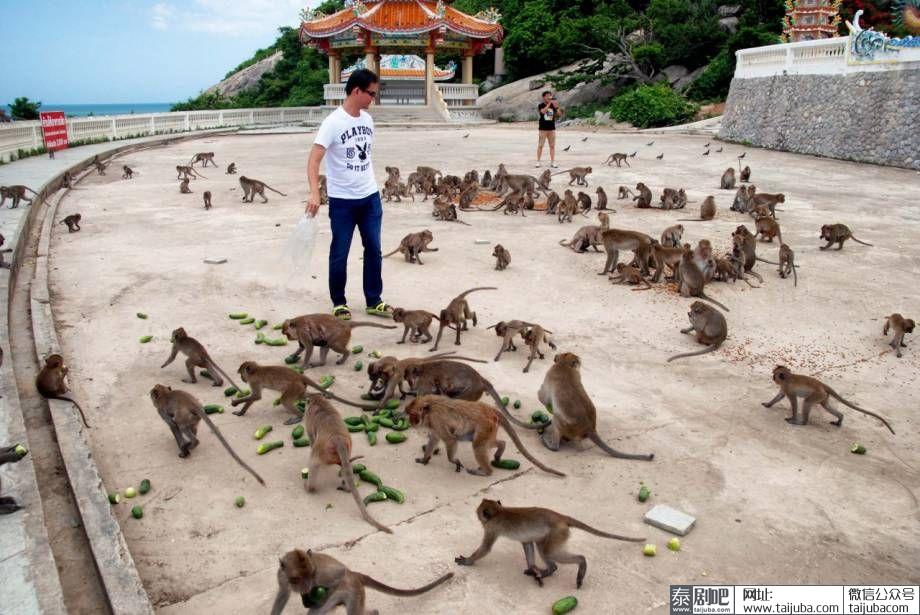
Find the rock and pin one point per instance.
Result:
(675, 73)
(686, 81)
(727, 10)
(729, 23)
(247, 78)
(636, 37)
(670, 520)
(490, 83)
(536, 84)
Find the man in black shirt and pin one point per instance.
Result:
(548, 111)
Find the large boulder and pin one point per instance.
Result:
(729, 10)
(247, 78)
(675, 73)
(684, 82)
(729, 24)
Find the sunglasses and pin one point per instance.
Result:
(371, 92)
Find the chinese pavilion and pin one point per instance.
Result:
(808, 20)
(402, 27)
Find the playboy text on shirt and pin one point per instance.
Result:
(360, 137)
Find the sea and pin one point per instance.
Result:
(105, 108)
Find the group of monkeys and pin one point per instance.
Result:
(251, 187)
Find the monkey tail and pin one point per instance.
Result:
(350, 479)
(377, 585)
(615, 453)
(35, 193)
(712, 348)
(587, 528)
(224, 374)
(391, 253)
(275, 191)
(565, 244)
(836, 396)
(757, 275)
(795, 276)
(763, 260)
(466, 292)
(520, 446)
(512, 418)
(325, 393)
(203, 415)
(862, 242)
(713, 301)
(82, 416)
(354, 324)
(691, 220)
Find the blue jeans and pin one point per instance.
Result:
(344, 216)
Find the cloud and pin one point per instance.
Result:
(230, 17)
(162, 15)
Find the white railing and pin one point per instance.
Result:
(334, 93)
(15, 136)
(458, 94)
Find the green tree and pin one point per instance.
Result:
(24, 109)
(646, 106)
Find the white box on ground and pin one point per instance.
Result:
(215, 260)
(670, 520)
(482, 242)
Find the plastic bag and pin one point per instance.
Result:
(299, 249)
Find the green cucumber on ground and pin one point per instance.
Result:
(206, 374)
(146, 339)
(144, 487)
(130, 492)
(260, 338)
(213, 409)
(506, 464)
(240, 501)
(385, 422)
(539, 416)
(281, 341)
(229, 391)
(269, 446)
(375, 354)
(401, 425)
(142, 316)
(393, 494)
(261, 431)
(291, 359)
(137, 512)
(369, 477)
(260, 323)
(247, 321)
(277, 401)
(358, 468)
(243, 393)
(114, 498)
(297, 432)
(238, 315)
(392, 404)
(858, 449)
(505, 400)
(20, 450)
(396, 437)
(305, 473)
(355, 428)
(644, 493)
(517, 404)
(354, 420)
(358, 366)
(565, 605)
(302, 442)
(377, 496)
(357, 349)
(326, 381)
(369, 425)
(372, 437)
(278, 327)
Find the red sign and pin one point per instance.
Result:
(54, 130)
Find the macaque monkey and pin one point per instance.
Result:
(768, 228)
(127, 172)
(837, 233)
(627, 274)
(584, 202)
(617, 158)
(544, 181)
(183, 187)
(623, 193)
(207, 199)
(412, 246)
(429, 172)
(231, 169)
(3, 265)
(552, 202)
(577, 174)
(66, 182)
(446, 212)
(100, 167)
(391, 191)
(533, 337)
(498, 180)
(471, 177)
(671, 236)
(768, 200)
(8, 454)
(455, 420)
(710, 327)
(182, 413)
(540, 527)
(330, 444)
(666, 256)
(204, 157)
(901, 326)
(456, 314)
(728, 179)
(618, 239)
(746, 244)
(814, 392)
(389, 373)
(707, 211)
(15, 194)
(588, 236)
(741, 202)
(567, 207)
(72, 221)
(702, 257)
(404, 191)
(574, 414)
(392, 173)
(745, 174)
(301, 571)
(51, 382)
(416, 321)
(502, 257)
(187, 172)
(644, 197)
(197, 357)
(692, 280)
(325, 331)
(252, 187)
(486, 179)
(601, 199)
(508, 330)
(527, 203)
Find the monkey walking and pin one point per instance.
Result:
(72, 221)
(207, 199)
(15, 194)
(456, 313)
(8, 454)
(787, 263)
(416, 321)
(837, 233)
(325, 331)
(542, 528)
(127, 172)
(412, 246)
(533, 337)
(577, 174)
(616, 158)
(197, 357)
(814, 391)
(252, 187)
(710, 327)
(507, 330)
(302, 571)
(51, 382)
(901, 326)
(204, 157)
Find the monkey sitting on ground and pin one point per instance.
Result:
(301, 572)
(100, 168)
(671, 236)
(540, 527)
(574, 414)
(416, 321)
(768, 228)
(73, 222)
(325, 331)
(51, 382)
(627, 274)
(692, 280)
(624, 193)
(707, 211)
(412, 246)
(787, 263)
(127, 172)
(252, 187)
(617, 158)
(745, 174)
(456, 314)
(8, 454)
(502, 257)
(552, 202)
(66, 182)
(837, 233)
(207, 199)
(454, 420)
(183, 187)
(567, 207)
(182, 413)
(486, 179)
(901, 326)
(584, 202)
(601, 199)
(197, 357)
(644, 197)
(814, 391)
(231, 169)
(15, 194)
(533, 337)
(728, 179)
(709, 325)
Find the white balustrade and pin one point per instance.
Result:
(334, 93)
(458, 94)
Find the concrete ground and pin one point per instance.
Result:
(774, 503)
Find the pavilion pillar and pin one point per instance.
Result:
(370, 56)
(467, 76)
(429, 76)
(500, 62)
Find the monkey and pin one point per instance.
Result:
(709, 325)
(552, 202)
(486, 179)
(669, 199)
(759, 211)
(182, 413)
(617, 158)
(100, 167)
(453, 420)
(627, 274)
(66, 182)
(456, 313)
(729, 270)
(584, 202)
(204, 157)
(533, 337)
(416, 321)
(325, 331)
(3, 265)
(692, 280)
(197, 357)
(671, 236)
(680, 200)
(837, 233)
(183, 187)
(231, 169)
(331, 445)
(291, 385)
(527, 203)
(623, 192)
(507, 330)
(467, 198)
(188, 172)
(15, 193)
(502, 257)
(588, 236)
(519, 183)
(574, 414)
(207, 199)
(728, 179)
(404, 190)
(768, 228)
(644, 197)
(8, 454)
(741, 202)
(745, 174)
(51, 382)
(389, 373)
(412, 246)
(666, 256)
(540, 527)
(429, 172)
(707, 211)
(702, 257)
(543, 182)
(391, 191)
(72, 221)
(577, 174)
(601, 199)
(471, 177)
(618, 239)
(567, 207)
(127, 172)
(302, 571)
(498, 180)
(768, 200)
(603, 220)
(252, 187)
(814, 392)
(446, 212)
(901, 327)
(513, 203)
(392, 173)
(746, 244)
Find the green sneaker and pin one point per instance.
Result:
(341, 312)
(381, 309)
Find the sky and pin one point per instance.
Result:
(130, 51)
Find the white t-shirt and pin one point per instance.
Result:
(348, 141)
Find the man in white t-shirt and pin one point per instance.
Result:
(345, 139)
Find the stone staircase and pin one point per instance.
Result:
(405, 114)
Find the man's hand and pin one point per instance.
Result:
(312, 205)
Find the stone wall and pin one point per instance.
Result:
(867, 116)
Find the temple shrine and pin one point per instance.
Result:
(808, 20)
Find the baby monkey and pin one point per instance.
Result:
(127, 172)
(626, 274)
(533, 337)
(197, 357)
(540, 527)
(787, 263)
(502, 257)
(416, 321)
(901, 326)
(73, 222)
(207, 199)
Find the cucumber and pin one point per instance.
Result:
(517, 404)
(260, 323)
(358, 468)
(392, 404)
(305, 473)
(506, 464)
(372, 437)
(230, 391)
(296, 368)
(315, 598)
(505, 400)
(238, 315)
(369, 477)
(354, 420)
(367, 396)
(401, 425)
(393, 494)
(281, 341)
(291, 359)
(369, 425)
(674, 544)
(240, 501)
(261, 431)
(114, 498)
(359, 366)
(355, 428)
(213, 409)
(549, 408)
(649, 550)
(301, 405)
(243, 393)
(144, 487)
(277, 401)
(247, 321)
(130, 492)
(21, 450)
(385, 422)
(146, 339)
(326, 381)
(297, 432)
(137, 512)
(565, 605)
(277, 327)
(377, 496)
(260, 338)
(539, 417)
(375, 354)
(357, 349)
(858, 449)
(301, 442)
(644, 493)
(142, 316)
(395, 437)
(269, 446)
(206, 374)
